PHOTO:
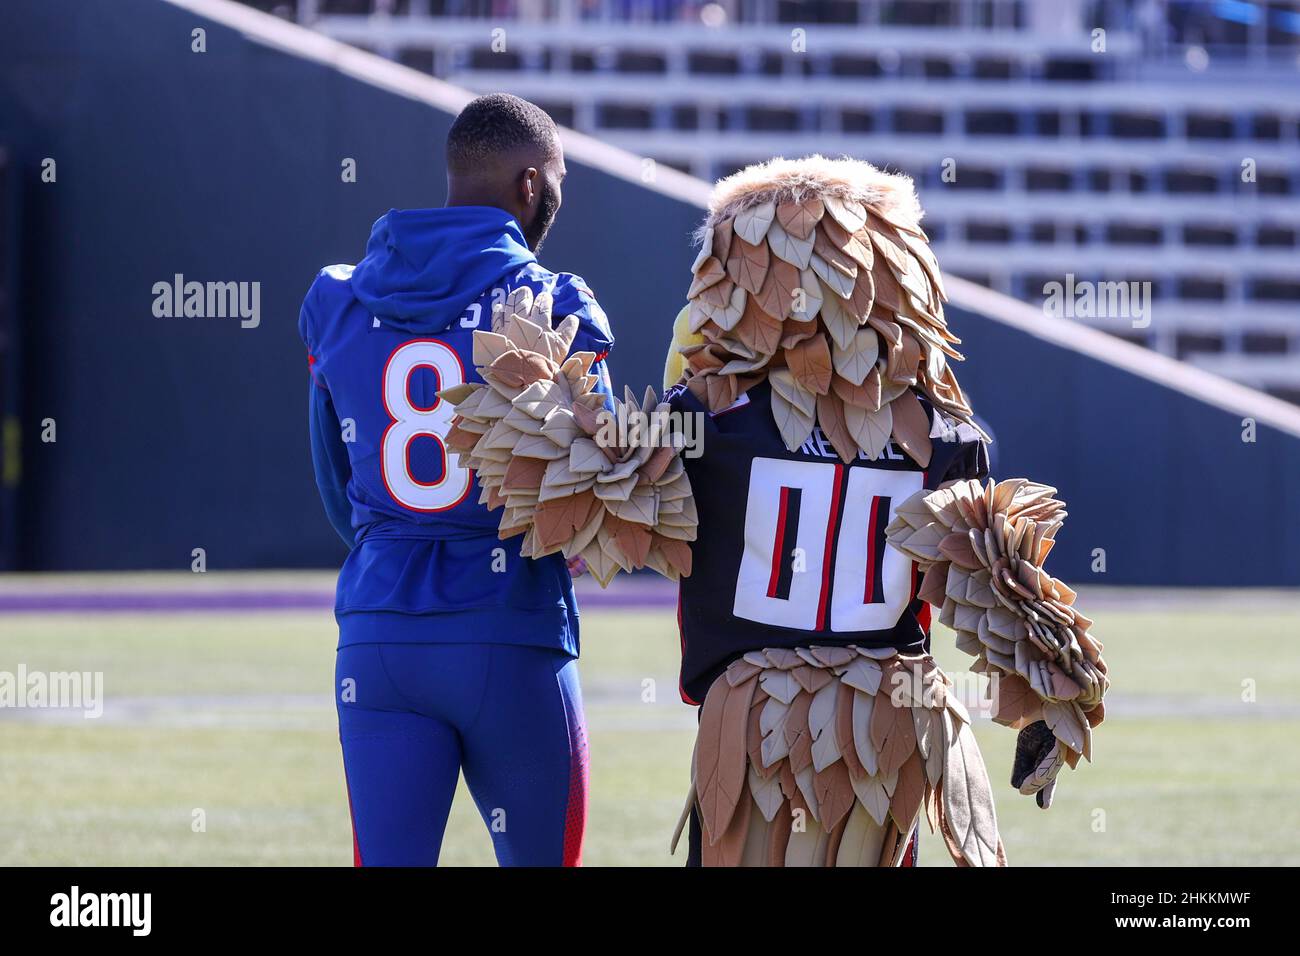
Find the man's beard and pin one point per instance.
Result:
(535, 234)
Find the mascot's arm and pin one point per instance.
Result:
(683, 337)
(982, 548)
(569, 474)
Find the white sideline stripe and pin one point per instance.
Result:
(368, 67)
(1191, 381)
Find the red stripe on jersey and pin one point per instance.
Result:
(778, 544)
(869, 594)
(829, 551)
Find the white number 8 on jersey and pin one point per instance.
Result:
(410, 421)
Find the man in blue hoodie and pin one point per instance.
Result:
(455, 653)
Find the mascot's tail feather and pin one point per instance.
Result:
(829, 756)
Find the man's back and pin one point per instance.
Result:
(383, 339)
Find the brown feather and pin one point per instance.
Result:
(912, 428)
(830, 415)
(889, 292)
(1012, 698)
(797, 733)
(893, 733)
(710, 273)
(718, 295)
(810, 363)
(747, 265)
(757, 329)
(850, 242)
(731, 848)
(754, 735)
(905, 804)
(954, 849)
(779, 836)
(720, 773)
(793, 332)
(835, 794)
(835, 257)
(844, 731)
(780, 285)
(799, 218)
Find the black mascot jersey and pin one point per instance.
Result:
(791, 547)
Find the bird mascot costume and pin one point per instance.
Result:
(816, 481)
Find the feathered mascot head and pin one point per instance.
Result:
(815, 274)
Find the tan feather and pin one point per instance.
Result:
(967, 801)
(870, 430)
(721, 776)
(861, 843)
(863, 718)
(821, 721)
(847, 212)
(772, 724)
(838, 322)
(807, 848)
(792, 249)
(751, 225)
(838, 281)
(766, 792)
(794, 424)
(811, 304)
(798, 735)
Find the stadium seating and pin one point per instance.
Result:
(1162, 149)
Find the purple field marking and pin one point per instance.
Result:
(633, 595)
(166, 601)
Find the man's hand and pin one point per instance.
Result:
(577, 566)
(1039, 758)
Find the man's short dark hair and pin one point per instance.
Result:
(493, 125)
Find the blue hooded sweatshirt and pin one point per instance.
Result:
(382, 338)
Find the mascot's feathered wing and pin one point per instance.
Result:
(815, 276)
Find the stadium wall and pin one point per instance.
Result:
(225, 165)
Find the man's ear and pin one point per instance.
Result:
(529, 181)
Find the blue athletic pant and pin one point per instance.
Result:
(413, 716)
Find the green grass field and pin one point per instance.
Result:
(231, 715)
